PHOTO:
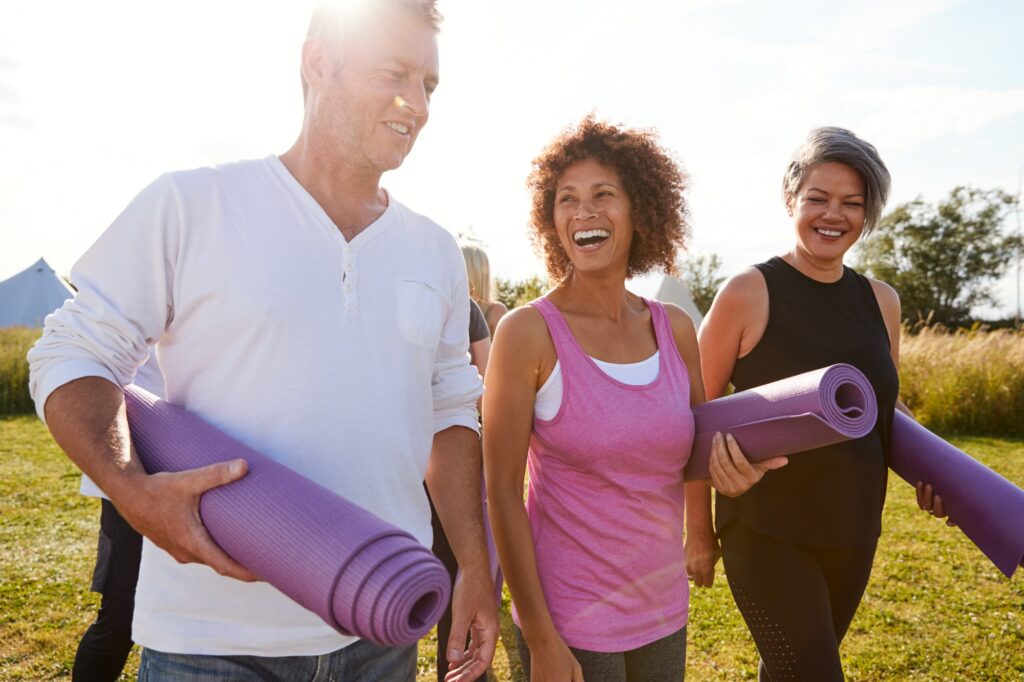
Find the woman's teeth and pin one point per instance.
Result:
(827, 232)
(588, 237)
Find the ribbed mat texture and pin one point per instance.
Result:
(362, 575)
(810, 410)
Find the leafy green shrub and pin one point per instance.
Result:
(14, 344)
(967, 381)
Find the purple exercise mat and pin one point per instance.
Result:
(810, 410)
(987, 507)
(362, 575)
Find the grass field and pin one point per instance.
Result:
(935, 607)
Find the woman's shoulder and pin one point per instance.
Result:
(522, 324)
(747, 288)
(888, 300)
(679, 319)
(883, 291)
(522, 342)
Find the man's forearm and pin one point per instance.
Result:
(453, 477)
(87, 419)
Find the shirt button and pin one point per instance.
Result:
(348, 287)
(348, 267)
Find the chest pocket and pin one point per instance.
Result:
(421, 310)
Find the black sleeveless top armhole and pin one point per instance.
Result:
(831, 496)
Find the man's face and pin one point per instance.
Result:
(378, 96)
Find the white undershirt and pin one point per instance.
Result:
(549, 397)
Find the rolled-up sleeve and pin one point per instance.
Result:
(456, 383)
(123, 302)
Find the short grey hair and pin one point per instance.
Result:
(838, 145)
(330, 19)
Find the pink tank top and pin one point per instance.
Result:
(605, 498)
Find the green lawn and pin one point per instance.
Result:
(935, 608)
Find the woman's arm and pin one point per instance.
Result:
(702, 551)
(732, 328)
(521, 358)
(479, 353)
(889, 304)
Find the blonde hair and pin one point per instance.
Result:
(478, 270)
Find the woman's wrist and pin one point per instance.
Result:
(540, 635)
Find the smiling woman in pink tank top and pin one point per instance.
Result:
(591, 388)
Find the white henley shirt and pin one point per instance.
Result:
(339, 359)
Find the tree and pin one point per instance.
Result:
(702, 275)
(515, 294)
(942, 259)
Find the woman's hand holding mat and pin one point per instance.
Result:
(807, 411)
(987, 507)
(837, 403)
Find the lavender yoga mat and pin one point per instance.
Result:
(362, 575)
(987, 507)
(810, 410)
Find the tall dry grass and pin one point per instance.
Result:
(966, 381)
(14, 344)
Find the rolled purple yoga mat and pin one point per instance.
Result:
(988, 508)
(811, 410)
(362, 575)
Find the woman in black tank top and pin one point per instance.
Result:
(798, 546)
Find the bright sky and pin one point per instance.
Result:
(97, 98)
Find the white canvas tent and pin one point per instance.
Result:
(668, 289)
(31, 295)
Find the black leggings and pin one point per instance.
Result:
(105, 646)
(798, 601)
(662, 660)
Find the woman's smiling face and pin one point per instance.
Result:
(828, 211)
(593, 216)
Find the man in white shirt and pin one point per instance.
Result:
(300, 308)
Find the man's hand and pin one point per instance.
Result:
(731, 473)
(473, 612)
(702, 553)
(166, 511)
(88, 420)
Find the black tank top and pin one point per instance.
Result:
(831, 496)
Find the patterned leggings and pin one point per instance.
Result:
(798, 601)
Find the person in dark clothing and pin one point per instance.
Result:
(106, 643)
(105, 646)
(798, 547)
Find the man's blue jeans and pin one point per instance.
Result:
(360, 662)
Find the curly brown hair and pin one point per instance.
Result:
(652, 179)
